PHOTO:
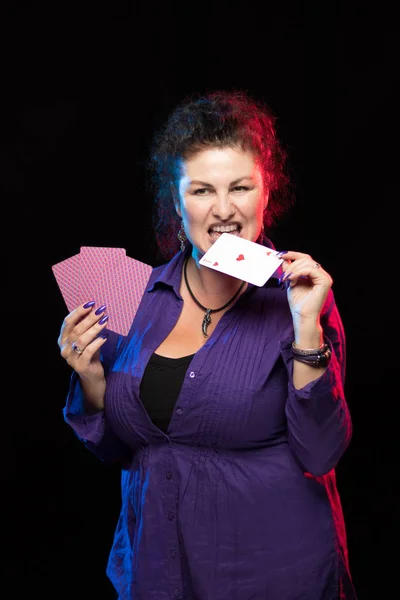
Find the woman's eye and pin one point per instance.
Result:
(205, 191)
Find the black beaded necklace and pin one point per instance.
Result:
(207, 318)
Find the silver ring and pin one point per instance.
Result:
(76, 348)
(317, 266)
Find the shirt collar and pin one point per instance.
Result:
(170, 274)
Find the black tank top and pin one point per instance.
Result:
(160, 387)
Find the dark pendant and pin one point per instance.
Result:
(206, 322)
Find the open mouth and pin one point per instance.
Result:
(216, 232)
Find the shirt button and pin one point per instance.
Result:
(179, 411)
(192, 374)
(177, 593)
(168, 475)
(171, 515)
(173, 553)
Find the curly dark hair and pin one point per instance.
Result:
(219, 119)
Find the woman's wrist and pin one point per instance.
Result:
(309, 336)
(93, 396)
(91, 409)
(309, 346)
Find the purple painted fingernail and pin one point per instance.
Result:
(104, 336)
(103, 320)
(282, 252)
(100, 310)
(89, 304)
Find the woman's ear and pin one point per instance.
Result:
(175, 198)
(178, 209)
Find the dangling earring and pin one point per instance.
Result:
(182, 237)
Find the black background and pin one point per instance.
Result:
(83, 88)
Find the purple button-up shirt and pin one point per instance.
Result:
(238, 499)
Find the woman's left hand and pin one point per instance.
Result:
(308, 285)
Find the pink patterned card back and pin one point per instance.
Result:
(93, 262)
(121, 288)
(66, 273)
(107, 276)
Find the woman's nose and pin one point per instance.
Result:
(223, 208)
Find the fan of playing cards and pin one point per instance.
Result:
(108, 276)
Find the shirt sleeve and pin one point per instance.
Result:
(319, 421)
(93, 430)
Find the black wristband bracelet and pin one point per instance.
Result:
(318, 357)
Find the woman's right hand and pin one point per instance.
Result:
(80, 341)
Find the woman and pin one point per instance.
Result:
(228, 429)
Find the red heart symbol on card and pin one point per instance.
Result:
(240, 257)
(215, 264)
(269, 253)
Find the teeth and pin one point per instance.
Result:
(225, 228)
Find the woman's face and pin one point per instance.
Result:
(220, 189)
